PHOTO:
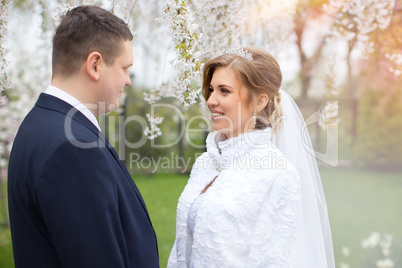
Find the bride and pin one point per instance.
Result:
(254, 199)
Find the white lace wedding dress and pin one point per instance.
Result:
(249, 216)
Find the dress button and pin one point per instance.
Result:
(220, 168)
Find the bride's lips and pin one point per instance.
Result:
(216, 114)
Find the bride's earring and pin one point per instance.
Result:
(255, 117)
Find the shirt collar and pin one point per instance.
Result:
(64, 96)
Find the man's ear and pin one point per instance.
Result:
(93, 63)
(262, 101)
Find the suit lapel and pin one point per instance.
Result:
(47, 101)
(126, 173)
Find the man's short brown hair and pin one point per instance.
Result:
(83, 30)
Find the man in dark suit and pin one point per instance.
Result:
(72, 201)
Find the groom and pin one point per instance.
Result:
(72, 201)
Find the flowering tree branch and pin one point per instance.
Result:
(219, 27)
(4, 83)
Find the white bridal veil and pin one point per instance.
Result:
(315, 249)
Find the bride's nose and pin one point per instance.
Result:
(212, 100)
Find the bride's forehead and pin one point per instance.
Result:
(224, 76)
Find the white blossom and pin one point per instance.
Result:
(222, 24)
(396, 59)
(386, 244)
(153, 131)
(185, 38)
(371, 241)
(356, 19)
(385, 263)
(345, 251)
(3, 100)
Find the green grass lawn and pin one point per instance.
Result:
(6, 252)
(160, 193)
(359, 202)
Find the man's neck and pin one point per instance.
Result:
(73, 87)
(66, 97)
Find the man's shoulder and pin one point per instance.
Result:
(47, 127)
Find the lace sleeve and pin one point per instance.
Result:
(275, 232)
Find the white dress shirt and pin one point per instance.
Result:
(64, 96)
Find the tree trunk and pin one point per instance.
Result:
(354, 102)
(305, 77)
(307, 64)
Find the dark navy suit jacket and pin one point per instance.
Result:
(72, 206)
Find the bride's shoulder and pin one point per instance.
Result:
(201, 164)
(288, 180)
(200, 160)
(276, 167)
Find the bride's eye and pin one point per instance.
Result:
(211, 89)
(224, 90)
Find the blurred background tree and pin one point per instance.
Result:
(378, 144)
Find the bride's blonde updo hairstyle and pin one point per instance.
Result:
(261, 75)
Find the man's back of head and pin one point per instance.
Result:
(83, 30)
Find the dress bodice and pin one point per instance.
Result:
(193, 213)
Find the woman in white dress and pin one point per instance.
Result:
(254, 199)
